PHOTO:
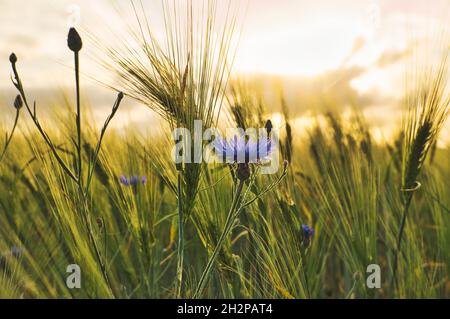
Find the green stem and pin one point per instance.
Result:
(180, 248)
(228, 226)
(9, 138)
(400, 236)
(90, 232)
(305, 275)
(91, 169)
(78, 119)
(80, 178)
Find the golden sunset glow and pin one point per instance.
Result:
(321, 46)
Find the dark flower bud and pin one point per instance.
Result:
(117, 102)
(74, 40)
(268, 127)
(243, 171)
(18, 103)
(13, 58)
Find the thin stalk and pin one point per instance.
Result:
(180, 247)
(400, 237)
(305, 275)
(99, 143)
(78, 119)
(90, 232)
(83, 196)
(228, 226)
(9, 138)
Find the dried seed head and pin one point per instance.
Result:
(13, 58)
(74, 40)
(243, 171)
(18, 103)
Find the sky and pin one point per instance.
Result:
(334, 48)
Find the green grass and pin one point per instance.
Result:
(354, 205)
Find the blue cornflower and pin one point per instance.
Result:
(133, 180)
(238, 150)
(16, 251)
(124, 181)
(307, 234)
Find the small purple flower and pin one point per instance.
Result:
(124, 181)
(16, 251)
(307, 234)
(133, 180)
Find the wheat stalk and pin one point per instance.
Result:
(428, 108)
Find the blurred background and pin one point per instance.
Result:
(319, 55)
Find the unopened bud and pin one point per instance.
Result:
(74, 40)
(117, 103)
(18, 103)
(13, 58)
